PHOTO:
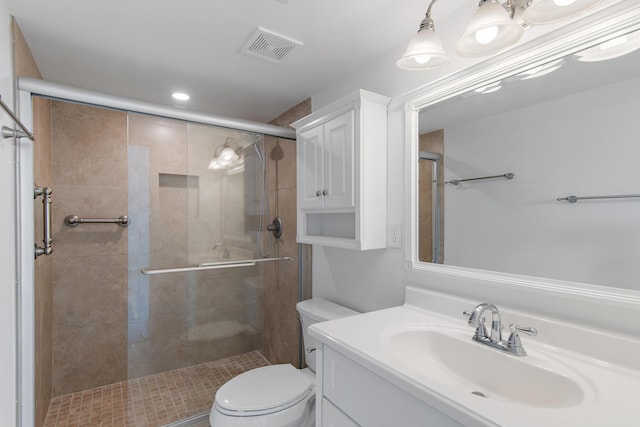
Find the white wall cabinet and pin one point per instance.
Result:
(342, 173)
(326, 179)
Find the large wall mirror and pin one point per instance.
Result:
(497, 164)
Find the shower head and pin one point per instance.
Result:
(258, 152)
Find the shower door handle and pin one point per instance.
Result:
(47, 241)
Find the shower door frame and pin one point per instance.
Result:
(25, 298)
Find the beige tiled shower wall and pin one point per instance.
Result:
(159, 239)
(281, 292)
(89, 163)
(25, 66)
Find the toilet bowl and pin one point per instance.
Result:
(276, 395)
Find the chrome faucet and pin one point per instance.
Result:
(477, 321)
(513, 345)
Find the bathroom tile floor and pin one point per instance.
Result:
(150, 401)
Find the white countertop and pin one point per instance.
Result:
(611, 391)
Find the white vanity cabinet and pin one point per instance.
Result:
(349, 394)
(342, 173)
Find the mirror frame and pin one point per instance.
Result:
(613, 21)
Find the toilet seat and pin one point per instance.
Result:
(263, 391)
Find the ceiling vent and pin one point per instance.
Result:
(269, 46)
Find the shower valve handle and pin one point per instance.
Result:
(276, 227)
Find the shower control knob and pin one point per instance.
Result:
(325, 192)
(318, 193)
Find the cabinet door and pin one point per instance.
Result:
(310, 169)
(334, 417)
(339, 144)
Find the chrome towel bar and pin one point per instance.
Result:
(7, 132)
(507, 175)
(573, 199)
(212, 266)
(47, 241)
(74, 220)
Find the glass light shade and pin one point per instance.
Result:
(611, 49)
(215, 164)
(224, 155)
(489, 30)
(229, 155)
(424, 52)
(548, 11)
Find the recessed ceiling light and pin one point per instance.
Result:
(180, 96)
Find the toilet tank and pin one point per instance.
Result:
(313, 311)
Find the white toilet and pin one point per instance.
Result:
(276, 395)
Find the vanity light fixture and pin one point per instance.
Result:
(425, 48)
(490, 29)
(542, 12)
(225, 155)
(493, 27)
(611, 49)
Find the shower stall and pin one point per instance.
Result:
(161, 253)
(431, 197)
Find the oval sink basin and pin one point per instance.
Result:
(449, 357)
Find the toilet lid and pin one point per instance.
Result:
(269, 387)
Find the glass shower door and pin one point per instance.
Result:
(193, 330)
(224, 306)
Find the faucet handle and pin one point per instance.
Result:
(481, 330)
(515, 328)
(514, 343)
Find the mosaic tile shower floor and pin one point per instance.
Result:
(150, 401)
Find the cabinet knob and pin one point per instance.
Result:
(318, 193)
(325, 192)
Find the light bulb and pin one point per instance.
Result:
(227, 154)
(422, 59)
(486, 35)
(563, 3)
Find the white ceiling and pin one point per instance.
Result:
(147, 49)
